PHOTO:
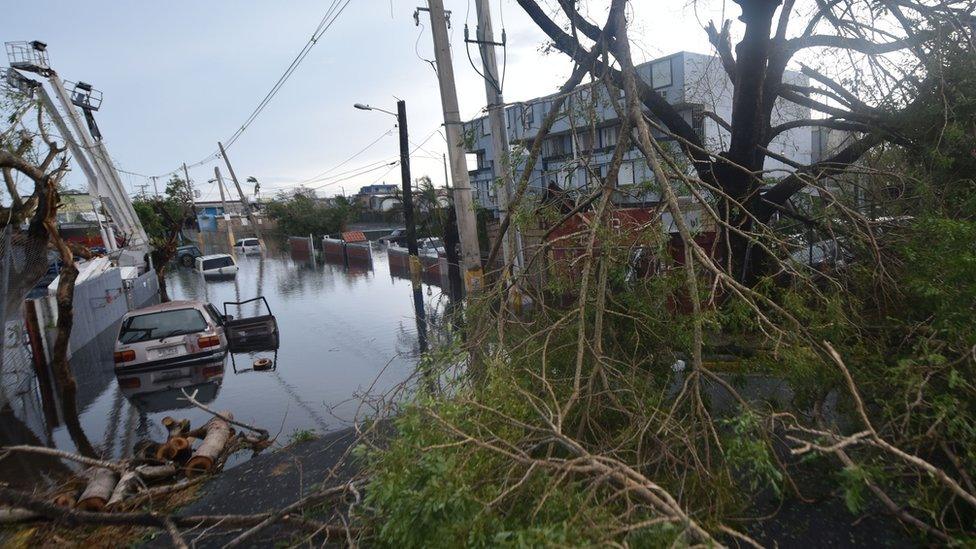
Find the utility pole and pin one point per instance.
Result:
(155, 187)
(407, 190)
(447, 179)
(484, 38)
(247, 208)
(223, 203)
(190, 197)
(463, 201)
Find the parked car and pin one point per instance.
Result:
(187, 254)
(430, 246)
(170, 343)
(827, 254)
(248, 246)
(398, 236)
(216, 264)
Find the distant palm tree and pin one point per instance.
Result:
(257, 186)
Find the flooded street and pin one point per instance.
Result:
(342, 329)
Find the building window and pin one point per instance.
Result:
(661, 74)
(625, 177)
(698, 120)
(558, 145)
(528, 115)
(485, 130)
(608, 136)
(584, 141)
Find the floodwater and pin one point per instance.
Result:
(345, 330)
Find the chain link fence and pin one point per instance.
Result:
(24, 413)
(24, 263)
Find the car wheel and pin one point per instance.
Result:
(186, 260)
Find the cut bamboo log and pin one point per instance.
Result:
(125, 486)
(182, 446)
(66, 498)
(140, 475)
(145, 449)
(205, 458)
(67, 495)
(101, 483)
(176, 428)
(173, 449)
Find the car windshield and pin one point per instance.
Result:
(434, 243)
(164, 323)
(250, 242)
(217, 263)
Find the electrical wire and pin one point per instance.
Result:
(371, 165)
(340, 180)
(416, 48)
(331, 15)
(344, 162)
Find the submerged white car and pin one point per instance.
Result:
(248, 246)
(216, 264)
(170, 343)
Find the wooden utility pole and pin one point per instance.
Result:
(407, 191)
(247, 208)
(223, 203)
(463, 201)
(484, 37)
(189, 192)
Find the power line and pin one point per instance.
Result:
(340, 180)
(362, 170)
(340, 164)
(331, 15)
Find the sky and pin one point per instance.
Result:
(178, 76)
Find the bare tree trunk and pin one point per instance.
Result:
(65, 298)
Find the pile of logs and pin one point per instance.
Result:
(155, 468)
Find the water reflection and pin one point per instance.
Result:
(342, 329)
(162, 390)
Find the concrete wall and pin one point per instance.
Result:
(99, 302)
(142, 291)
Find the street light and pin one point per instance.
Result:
(362, 107)
(401, 116)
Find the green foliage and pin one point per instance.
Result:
(749, 453)
(301, 435)
(302, 215)
(163, 218)
(158, 217)
(853, 481)
(427, 492)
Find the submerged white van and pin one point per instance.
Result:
(248, 246)
(216, 265)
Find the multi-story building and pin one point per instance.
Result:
(378, 197)
(579, 146)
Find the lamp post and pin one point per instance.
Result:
(408, 221)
